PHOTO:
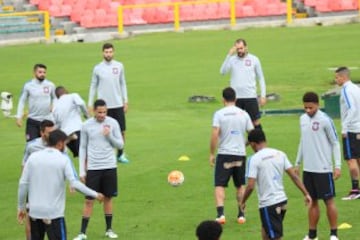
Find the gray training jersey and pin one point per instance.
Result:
(34, 145)
(350, 108)
(108, 81)
(67, 112)
(318, 144)
(39, 96)
(244, 73)
(44, 181)
(96, 150)
(233, 123)
(267, 166)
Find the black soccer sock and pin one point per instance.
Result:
(355, 184)
(120, 152)
(84, 224)
(312, 233)
(333, 232)
(258, 127)
(220, 210)
(241, 213)
(108, 220)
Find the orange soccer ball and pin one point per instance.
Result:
(176, 178)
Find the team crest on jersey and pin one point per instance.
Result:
(115, 70)
(247, 62)
(315, 126)
(46, 89)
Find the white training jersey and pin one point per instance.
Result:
(40, 95)
(108, 82)
(233, 123)
(33, 146)
(67, 113)
(319, 144)
(44, 181)
(96, 150)
(350, 108)
(244, 74)
(267, 166)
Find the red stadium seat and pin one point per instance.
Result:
(54, 10)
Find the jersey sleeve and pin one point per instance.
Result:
(331, 134)
(260, 76)
(93, 87)
(22, 100)
(83, 151)
(226, 66)
(122, 80)
(252, 170)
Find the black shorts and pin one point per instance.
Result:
(32, 130)
(272, 218)
(250, 105)
(103, 181)
(74, 145)
(351, 146)
(119, 115)
(55, 229)
(319, 185)
(227, 166)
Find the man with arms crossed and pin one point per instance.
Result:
(245, 69)
(40, 93)
(318, 145)
(108, 81)
(67, 115)
(44, 181)
(350, 127)
(230, 124)
(266, 170)
(97, 163)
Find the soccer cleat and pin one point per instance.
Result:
(81, 236)
(241, 220)
(110, 234)
(307, 238)
(123, 159)
(333, 237)
(354, 194)
(221, 219)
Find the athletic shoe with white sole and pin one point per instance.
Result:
(332, 237)
(81, 236)
(110, 234)
(307, 238)
(221, 219)
(241, 220)
(354, 194)
(123, 159)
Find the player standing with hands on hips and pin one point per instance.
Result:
(108, 82)
(245, 69)
(318, 146)
(350, 127)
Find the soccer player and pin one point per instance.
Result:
(97, 163)
(230, 124)
(40, 93)
(108, 81)
(245, 69)
(350, 127)
(44, 181)
(318, 146)
(265, 170)
(67, 114)
(208, 230)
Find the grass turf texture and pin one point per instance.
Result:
(162, 71)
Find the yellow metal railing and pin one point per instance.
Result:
(46, 19)
(176, 7)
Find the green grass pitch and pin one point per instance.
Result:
(162, 71)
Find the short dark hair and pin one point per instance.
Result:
(257, 136)
(229, 94)
(39, 65)
(55, 137)
(99, 103)
(209, 230)
(107, 46)
(46, 123)
(60, 90)
(310, 97)
(343, 71)
(241, 40)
